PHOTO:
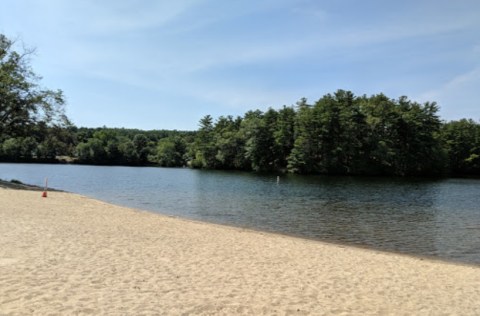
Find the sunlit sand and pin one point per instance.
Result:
(67, 254)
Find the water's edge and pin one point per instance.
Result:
(424, 218)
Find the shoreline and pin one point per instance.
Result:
(23, 186)
(69, 254)
(17, 185)
(339, 244)
(12, 184)
(273, 172)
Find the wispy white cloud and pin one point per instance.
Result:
(222, 52)
(243, 98)
(116, 17)
(458, 96)
(170, 54)
(177, 65)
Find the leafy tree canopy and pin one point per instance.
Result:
(24, 103)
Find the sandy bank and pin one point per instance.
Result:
(68, 254)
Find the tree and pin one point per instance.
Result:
(229, 143)
(140, 141)
(381, 116)
(284, 135)
(171, 152)
(204, 150)
(23, 102)
(259, 141)
(50, 148)
(302, 158)
(92, 152)
(462, 143)
(128, 152)
(12, 149)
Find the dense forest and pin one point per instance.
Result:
(339, 134)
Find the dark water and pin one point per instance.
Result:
(439, 218)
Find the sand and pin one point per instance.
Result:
(71, 255)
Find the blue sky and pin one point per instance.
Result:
(154, 64)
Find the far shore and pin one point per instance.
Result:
(67, 160)
(69, 254)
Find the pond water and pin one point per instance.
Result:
(439, 218)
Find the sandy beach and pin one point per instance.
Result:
(71, 255)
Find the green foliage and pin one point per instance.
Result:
(171, 152)
(50, 148)
(338, 134)
(284, 136)
(203, 151)
(12, 148)
(105, 147)
(18, 149)
(341, 134)
(462, 142)
(33, 125)
(229, 144)
(23, 102)
(132, 147)
(304, 151)
(92, 151)
(259, 140)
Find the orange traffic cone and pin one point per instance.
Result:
(44, 194)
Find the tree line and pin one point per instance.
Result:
(339, 134)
